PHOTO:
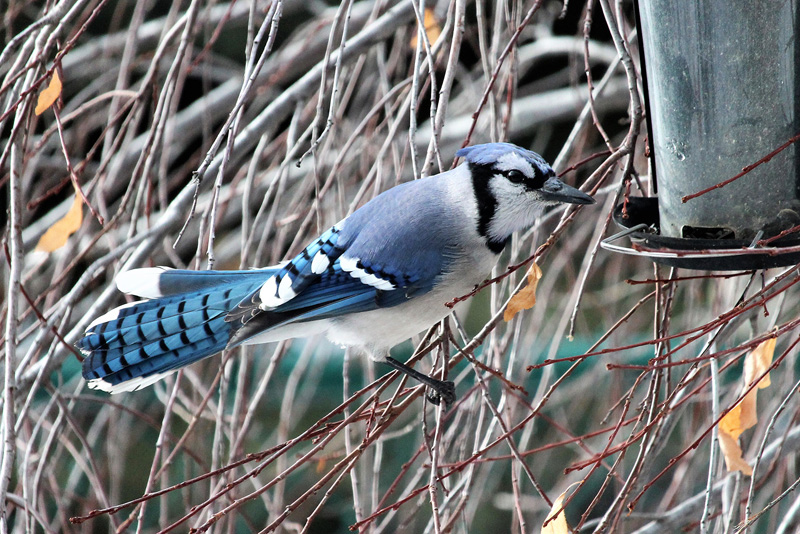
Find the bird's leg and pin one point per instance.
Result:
(444, 389)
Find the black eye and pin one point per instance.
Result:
(515, 176)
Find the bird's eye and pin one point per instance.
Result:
(515, 176)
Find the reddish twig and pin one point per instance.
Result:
(70, 170)
(584, 161)
(715, 276)
(786, 232)
(745, 170)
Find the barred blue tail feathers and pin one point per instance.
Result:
(139, 343)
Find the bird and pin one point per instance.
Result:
(373, 280)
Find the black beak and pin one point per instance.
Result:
(557, 191)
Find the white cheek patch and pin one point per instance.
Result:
(350, 265)
(512, 160)
(507, 194)
(517, 209)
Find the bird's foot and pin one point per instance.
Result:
(442, 390)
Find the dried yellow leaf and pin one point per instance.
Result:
(744, 414)
(758, 361)
(49, 95)
(432, 28)
(56, 236)
(741, 417)
(525, 299)
(733, 454)
(556, 522)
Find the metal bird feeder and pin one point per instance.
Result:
(721, 96)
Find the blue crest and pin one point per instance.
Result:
(488, 153)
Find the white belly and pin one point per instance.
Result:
(379, 330)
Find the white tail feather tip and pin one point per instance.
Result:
(134, 384)
(141, 282)
(110, 315)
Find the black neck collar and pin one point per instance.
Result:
(487, 204)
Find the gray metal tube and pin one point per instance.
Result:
(722, 95)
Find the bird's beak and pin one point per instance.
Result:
(557, 191)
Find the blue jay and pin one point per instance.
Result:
(373, 280)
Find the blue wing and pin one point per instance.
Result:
(384, 254)
(302, 270)
(339, 290)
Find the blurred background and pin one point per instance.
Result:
(211, 134)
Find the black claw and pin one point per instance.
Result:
(443, 391)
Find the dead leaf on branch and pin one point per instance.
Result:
(732, 453)
(556, 521)
(56, 236)
(740, 417)
(49, 95)
(432, 29)
(744, 414)
(525, 299)
(757, 362)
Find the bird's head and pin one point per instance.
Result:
(512, 187)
